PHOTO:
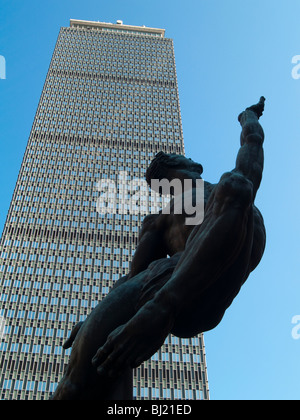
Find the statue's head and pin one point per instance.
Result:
(164, 165)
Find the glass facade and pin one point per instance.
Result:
(109, 104)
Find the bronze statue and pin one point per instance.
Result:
(182, 278)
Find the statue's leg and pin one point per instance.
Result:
(81, 380)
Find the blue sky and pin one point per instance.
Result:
(228, 54)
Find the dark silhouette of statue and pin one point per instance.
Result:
(182, 278)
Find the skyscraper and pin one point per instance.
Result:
(109, 104)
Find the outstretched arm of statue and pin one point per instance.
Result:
(250, 158)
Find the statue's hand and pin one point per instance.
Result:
(131, 344)
(258, 108)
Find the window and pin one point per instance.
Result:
(30, 386)
(19, 385)
(7, 384)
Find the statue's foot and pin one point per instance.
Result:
(258, 108)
